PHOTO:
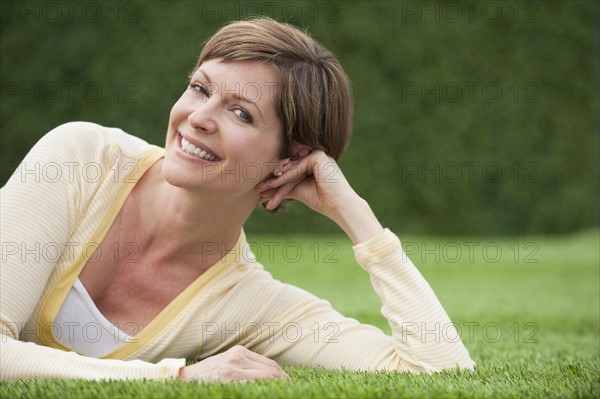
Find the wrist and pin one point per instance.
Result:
(357, 220)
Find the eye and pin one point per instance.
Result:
(243, 114)
(197, 87)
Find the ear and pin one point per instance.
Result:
(299, 151)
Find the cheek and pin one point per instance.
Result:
(258, 157)
(266, 148)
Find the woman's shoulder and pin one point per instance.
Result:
(92, 140)
(77, 132)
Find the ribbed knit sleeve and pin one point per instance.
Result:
(27, 360)
(422, 332)
(59, 196)
(42, 205)
(292, 326)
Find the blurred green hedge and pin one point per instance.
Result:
(471, 117)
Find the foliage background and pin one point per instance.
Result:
(472, 118)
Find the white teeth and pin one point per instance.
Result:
(193, 150)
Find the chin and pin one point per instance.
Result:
(174, 175)
(180, 175)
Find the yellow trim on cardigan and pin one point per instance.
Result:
(51, 306)
(129, 349)
(58, 293)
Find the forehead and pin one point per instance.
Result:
(255, 81)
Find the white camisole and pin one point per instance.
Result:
(81, 326)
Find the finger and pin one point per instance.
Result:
(264, 185)
(271, 374)
(270, 363)
(291, 171)
(237, 363)
(307, 165)
(295, 173)
(267, 194)
(268, 367)
(280, 195)
(245, 356)
(261, 364)
(263, 368)
(255, 374)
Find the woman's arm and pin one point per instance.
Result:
(41, 206)
(317, 181)
(292, 326)
(423, 337)
(26, 360)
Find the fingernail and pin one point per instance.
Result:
(268, 207)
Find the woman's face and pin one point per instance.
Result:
(224, 133)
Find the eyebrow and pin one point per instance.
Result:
(205, 75)
(237, 96)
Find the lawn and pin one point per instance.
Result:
(527, 308)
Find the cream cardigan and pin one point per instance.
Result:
(61, 202)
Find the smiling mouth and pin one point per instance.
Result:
(203, 154)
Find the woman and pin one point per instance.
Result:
(124, 258)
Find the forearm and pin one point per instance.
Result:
(356, 218)
(422, 332)
(26, 360)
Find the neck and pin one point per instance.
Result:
(178, 224)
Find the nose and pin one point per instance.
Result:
(203, 118)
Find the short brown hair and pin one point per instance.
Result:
(314, 100)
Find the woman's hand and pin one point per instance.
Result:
(235, 364)
(317, 180)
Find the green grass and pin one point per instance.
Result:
(529, 317)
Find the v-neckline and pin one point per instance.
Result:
(58, 293)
